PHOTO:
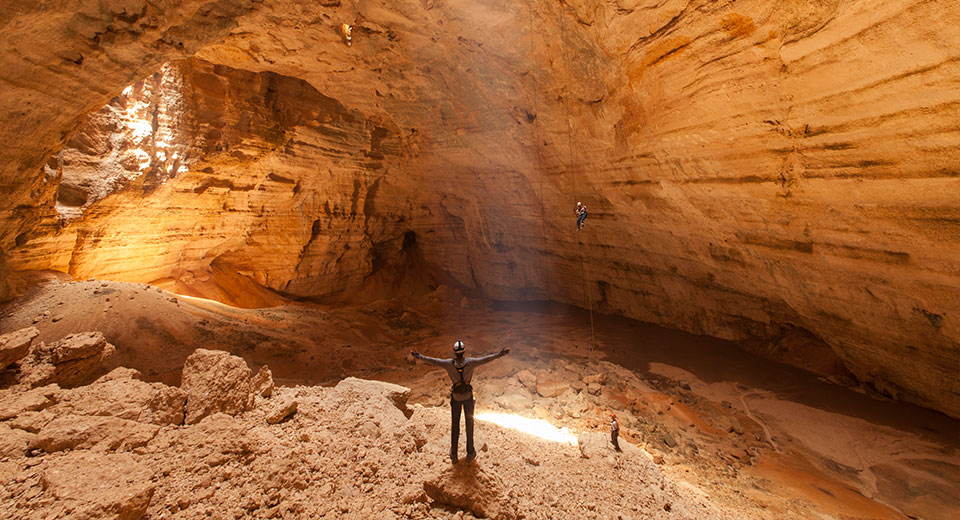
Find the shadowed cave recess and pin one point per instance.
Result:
(766, 289)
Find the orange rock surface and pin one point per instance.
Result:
(748, 168)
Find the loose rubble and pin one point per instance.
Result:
(120, 448)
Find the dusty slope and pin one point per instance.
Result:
(747, 432)
(352, 451)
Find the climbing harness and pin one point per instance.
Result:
(461, 387)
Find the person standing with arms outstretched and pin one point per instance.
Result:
(460, 369)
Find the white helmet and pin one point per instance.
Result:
(458, 347)
(579, 204)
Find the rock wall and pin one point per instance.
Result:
(753, 164)
(66, 59)
(750, 168)
(204, 171)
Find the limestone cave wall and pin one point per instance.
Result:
(754, 164)
(750, 167)
(202, 170)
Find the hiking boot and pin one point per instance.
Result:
(471, 455)
(453, 457)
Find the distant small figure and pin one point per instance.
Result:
(581, 215)
(460, 370)
(346, 31)
(614, 431)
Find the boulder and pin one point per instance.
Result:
(73, 361)
(263, 382)
(358, 400)
(668, 440)
(599, 379)
(78, 346)
(99, 485)
(82, 432)
(552, 388)
(16, 345)
(282, 410)
(527, 379)
(14, 442)
(215, 381)
(116, 395)
(594, 445)
(729, 424)
(470, 487)
(120, 373)
(514, 401)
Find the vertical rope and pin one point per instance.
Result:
(576, 191)
(536, 143)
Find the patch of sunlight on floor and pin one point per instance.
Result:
(536, 427)
(207, 301)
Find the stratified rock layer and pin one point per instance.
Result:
(750, 169)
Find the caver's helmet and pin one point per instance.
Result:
(458, 347)
(579, 204)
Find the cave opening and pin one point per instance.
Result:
(238, 219)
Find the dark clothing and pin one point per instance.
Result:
(467, 407)
(461, 395)
(458, 370)
(615, 434)
(581, 217)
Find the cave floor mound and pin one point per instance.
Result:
(735, 435)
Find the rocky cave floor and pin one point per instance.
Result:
(707, 430)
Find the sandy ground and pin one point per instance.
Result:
(753, 435)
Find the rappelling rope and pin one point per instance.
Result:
(536, 143)
(576, 192)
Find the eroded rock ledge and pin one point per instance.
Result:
(750, 168)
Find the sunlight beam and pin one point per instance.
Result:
(535, 427)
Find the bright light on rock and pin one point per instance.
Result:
(139, 129)
(536, 427)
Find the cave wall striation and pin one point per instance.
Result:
(751, 168)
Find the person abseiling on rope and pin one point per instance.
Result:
(581, 215)
(461, 369)
(614, 431)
